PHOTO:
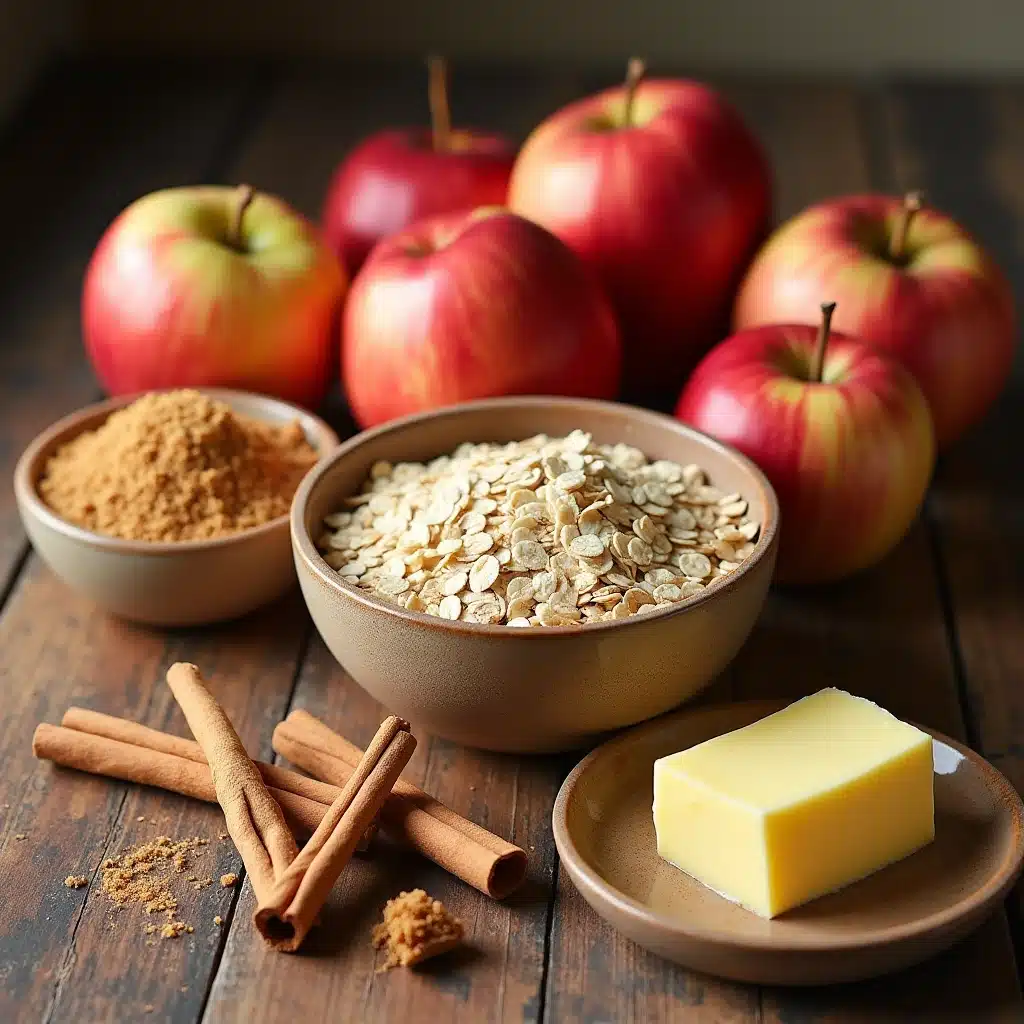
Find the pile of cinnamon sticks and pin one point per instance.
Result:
(266, 805)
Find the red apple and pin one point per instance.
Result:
(841, 429)
(469, 306)
(403, 175)
(663, 191)
(213, 286)
(914, 283)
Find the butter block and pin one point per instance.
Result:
(799, 804)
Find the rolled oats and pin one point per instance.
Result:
(546, 531)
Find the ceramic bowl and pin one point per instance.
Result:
(163, 584)
(537, 689)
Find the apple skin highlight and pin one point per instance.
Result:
(850, 457)
(944, 309)
(171, 301)
(667, 210)
(471, 306)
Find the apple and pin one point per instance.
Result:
(662, 190)
(465, 306)
(907, 279)
(213, 286)
(841, 430)
(402, 175)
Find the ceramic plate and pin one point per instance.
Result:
(901, 915)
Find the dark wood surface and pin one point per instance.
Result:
(935, 633)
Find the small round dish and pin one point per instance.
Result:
(909, 911)
(164, 584)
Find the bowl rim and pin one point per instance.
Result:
(306, 550)
(28, 471)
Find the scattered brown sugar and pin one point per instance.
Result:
(415, 928)
(173, 929)
(177, 466)
(147, 874)
(228, 880)
(218, 920)
(76, 881)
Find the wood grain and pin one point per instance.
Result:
(975, 503)
(67, 954)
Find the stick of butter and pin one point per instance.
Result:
(799, 804)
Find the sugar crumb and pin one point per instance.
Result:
(147, 875)
(415, 928)
(228, 880)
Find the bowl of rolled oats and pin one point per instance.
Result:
(525, 574)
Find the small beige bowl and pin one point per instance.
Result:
(163, 584)
(537, 689)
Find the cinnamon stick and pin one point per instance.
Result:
(410, 816)
(127, 731)
(253, 817)
(121, 749)
(102, 755)
(285, 915)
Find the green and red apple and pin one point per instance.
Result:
(907, 279)
(841, 430)
(213, 286)
(662, 190)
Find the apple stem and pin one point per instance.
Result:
(911, 204)
(437, 94)
(246, 194)
(824, 329)
(635, 71)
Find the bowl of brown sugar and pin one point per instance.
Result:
(171, 508)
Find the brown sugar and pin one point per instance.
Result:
(228, 880)
(76, 881)
(146, 875)
(415, 928)
(177, 466)
(173, 929)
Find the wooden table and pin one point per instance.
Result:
(936, 633)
